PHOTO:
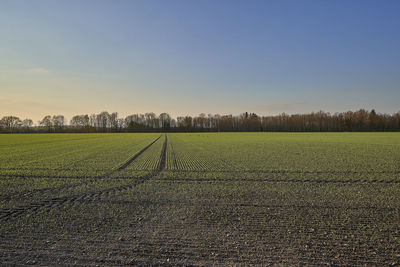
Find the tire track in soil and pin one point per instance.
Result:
(45, 205)
(22, 176)
(129, 161)
(29, 193)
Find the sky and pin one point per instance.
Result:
(189, 57)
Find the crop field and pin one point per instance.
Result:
(200, 199)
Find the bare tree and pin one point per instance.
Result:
(46, 122)
(165, 121)
(10, 123)
(93, 121)
(27, 123)
(103, 120)
(150, 119)
(80, 121)
(187, 122)
(361, 120)
(58, 122)
(180, 122)
(114, 120)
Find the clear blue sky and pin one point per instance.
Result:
(187, 57)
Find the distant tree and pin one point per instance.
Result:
(173, 123)
(130, 126)
(58, 122)
(103, 120)
(360, 120)
(120, 124)
(396, 120)
(151, 120)
(10, 123)
(180, 122)
(165, 121)
(46, 122)
(80, 121)
(202, 121)
(114, 121)
(187, 123)
(93, 120)
(27, 123)
(372, 120)
(135, 122)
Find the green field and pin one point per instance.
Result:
(200, 199)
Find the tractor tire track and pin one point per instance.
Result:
(26, 176)
(45, 205)
(129, 161)
(31, 193)
(163, 156)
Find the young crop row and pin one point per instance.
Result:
(150, 160)
(220, 199)
(269, 155)
(182, 155)
(82, 157)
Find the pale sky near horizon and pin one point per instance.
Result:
(191, 57)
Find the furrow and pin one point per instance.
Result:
(45, 205)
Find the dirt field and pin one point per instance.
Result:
(200, 199)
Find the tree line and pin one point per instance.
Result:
(361, 120)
